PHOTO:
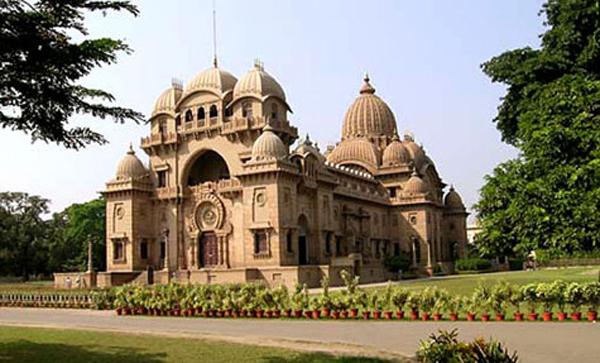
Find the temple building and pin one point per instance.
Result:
(230, 195)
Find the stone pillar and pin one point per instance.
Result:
(429, 258)
(165, 236)
(90, 264)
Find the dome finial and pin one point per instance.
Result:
(366, 87)
(130, 151)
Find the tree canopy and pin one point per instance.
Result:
(549, 197)
(31, 245)
(41, 67)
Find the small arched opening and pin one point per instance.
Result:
(188, 116)
(201, 114)
(303, 240)
(209, 166)
(213, 111)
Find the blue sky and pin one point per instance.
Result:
(423, 58)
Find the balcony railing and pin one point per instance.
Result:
(159, 139)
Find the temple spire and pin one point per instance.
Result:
(215, 62)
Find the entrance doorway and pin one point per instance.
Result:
(208, 250)
(302, 251)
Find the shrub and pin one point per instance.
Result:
(397, 263)
(500, 296)
(472, 264)
(445, 347)
(482, 296)
(547, 294)
(400, 298)
(515, 264)
(574, 294)
(591, 293)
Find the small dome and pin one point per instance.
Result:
(356, 151)
(395, 153)
(416, 185)
(165, 103)
(452, 200)
(307, 147)
(213, 79)
(368, 116)
(131, 167)
(416, 152)
(258, 83)
(268, 146)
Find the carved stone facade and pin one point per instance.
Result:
(223, 198)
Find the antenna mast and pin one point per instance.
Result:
(214, 34)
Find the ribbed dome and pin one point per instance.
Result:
(131, 167)
(416, 152)
(395, 153)
(258, 83)
(416, 185)
(165, 103)
(356, 151)
(268, 146)
(453, 200)
(213, 79)
(368, 116)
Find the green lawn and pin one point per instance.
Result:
(465, 284)
(29, 345)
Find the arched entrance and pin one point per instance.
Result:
(208, 249)
(209, 166)
(303, 233)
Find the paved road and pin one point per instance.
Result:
(535, 342)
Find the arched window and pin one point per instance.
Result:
(188, 116)
(201, 115)
(213, 111)
(274, 111)
(228, 112)
(247, 109)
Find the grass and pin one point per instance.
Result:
(465, 284)
(29, 345)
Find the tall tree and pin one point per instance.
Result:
(22, 233)
(41, 67)
(72, 230)
(548, 198)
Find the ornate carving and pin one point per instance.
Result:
(209, 213)
(120, 212)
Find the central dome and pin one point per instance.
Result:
(369, 116)
(213, 79)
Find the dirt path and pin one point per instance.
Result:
(535, 342)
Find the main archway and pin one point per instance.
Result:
(208, 166)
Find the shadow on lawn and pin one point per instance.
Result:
(324, 358)
(23, 351)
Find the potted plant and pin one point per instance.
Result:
(469, 308)
(363, 304)
(399, 299)
(442, 300)
(499, 298)
(547, 295)
(427, 302)
(413, 302)
(300, 300)
(482, 295)
(530, 297)
(453, 306)
(575, 299)
(351, 292)
(515, 299)
(592, 299)
(281, 296)
(315, 307)
(325, 297)
(336, 306)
